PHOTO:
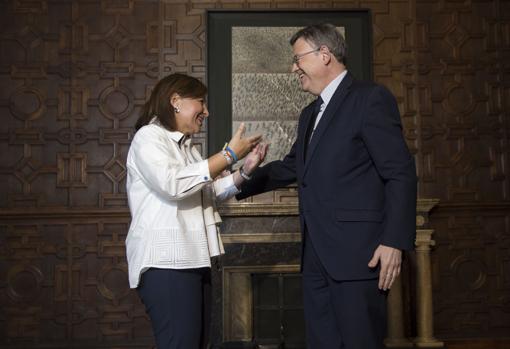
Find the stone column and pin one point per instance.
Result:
(396, 336)
(424, 309)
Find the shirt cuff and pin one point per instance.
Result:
(203, 168)
(225, 188)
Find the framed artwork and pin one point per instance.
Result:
(249, 61)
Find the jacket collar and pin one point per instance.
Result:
(176, 136)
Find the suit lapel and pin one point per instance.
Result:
(328, 115)
(303, 131)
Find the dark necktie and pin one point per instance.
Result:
(311, 124)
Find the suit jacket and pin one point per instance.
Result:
(357, 187)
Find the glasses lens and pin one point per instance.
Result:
(296, 58)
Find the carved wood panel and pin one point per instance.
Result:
(74, 74)
(470, 270)
(462, 89)
(64, 282)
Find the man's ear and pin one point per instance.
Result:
(326, 55)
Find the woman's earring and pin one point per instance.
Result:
(177, 110)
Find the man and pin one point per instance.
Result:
(357, 195)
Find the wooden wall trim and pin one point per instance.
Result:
(231, 210)
(62, 213)
(462, 206)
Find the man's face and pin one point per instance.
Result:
(308, 65)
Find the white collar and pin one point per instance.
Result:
(329, 90)
(176, 136)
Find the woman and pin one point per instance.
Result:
(172, 193)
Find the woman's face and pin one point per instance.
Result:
(191, 115)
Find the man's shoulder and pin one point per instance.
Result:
(370, 89)
(367, 85)
(364, 86)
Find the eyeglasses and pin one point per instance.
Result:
(296, 58)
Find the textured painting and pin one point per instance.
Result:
(266, 95)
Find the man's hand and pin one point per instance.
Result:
(391, 260)
(255, 158)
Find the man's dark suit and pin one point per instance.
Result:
(357, 186)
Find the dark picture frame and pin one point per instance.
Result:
(358, 28)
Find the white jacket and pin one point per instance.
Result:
(171, 197)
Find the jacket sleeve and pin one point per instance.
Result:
(382, 134)
(156, 163)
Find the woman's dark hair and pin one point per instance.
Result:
(159, 105)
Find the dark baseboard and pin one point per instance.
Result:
(478, 343)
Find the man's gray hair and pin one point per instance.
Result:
(324, 34)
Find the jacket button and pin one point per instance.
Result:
(303, 185)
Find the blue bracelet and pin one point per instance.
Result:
(234, 156)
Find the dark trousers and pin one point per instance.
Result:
(340, 314)
(178, 304)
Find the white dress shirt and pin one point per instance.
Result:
(326, 96)
(172, 198)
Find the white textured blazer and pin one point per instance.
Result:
(172, 198)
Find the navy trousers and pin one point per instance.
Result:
(178, 303)
(340, 314)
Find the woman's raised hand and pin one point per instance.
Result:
(243, 145)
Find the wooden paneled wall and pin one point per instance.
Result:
(74, 74)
